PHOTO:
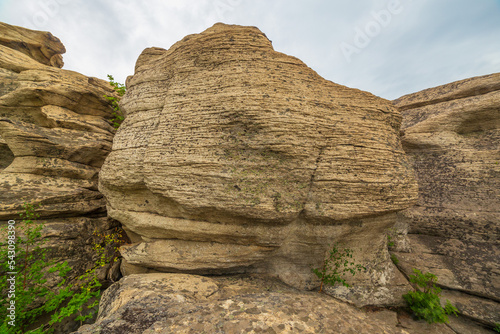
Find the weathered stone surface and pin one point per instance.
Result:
(180, 303)
(452, 134)
(54, 127)
(467, 326)
(39, 45)
(238, 158)
(55, 133)
(6, 155)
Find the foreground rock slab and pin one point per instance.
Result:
(237, 158)
(180, 303)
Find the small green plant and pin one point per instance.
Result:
(394, 259)
(497, 326)
(88, 293)
(24, 270)
(390, 243)
(336, 265)
(120, 90)
(425, 302)
(24, 267)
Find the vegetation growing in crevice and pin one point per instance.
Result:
(425, 302)
(120, 91)
(25, 269)
(336, 265)
(390, 243)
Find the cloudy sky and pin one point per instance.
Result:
(387, 47)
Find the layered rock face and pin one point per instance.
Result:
(54, 135)
(452, 134)
(237, 158)
(37, 45)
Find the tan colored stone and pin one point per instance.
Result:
(129, 269)
(6, 155)
(41, 46)
(240, 151)
(180, 303)
(452, 135)
(409, 325)
(55, 132)
(190, 256)
(457, 90)
(54, 127)
(474, 307)
(465, 326)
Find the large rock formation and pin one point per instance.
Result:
(54, 135)
(452, 134)
(180, 303)
(237, 158)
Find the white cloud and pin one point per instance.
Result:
(427, 43)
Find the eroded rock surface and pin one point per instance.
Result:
(41, 46)
(237, 158)
(180, 303)
(55, 132)
(452, 134)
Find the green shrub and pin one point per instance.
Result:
(390, 243)
(117, 113)
(425, 302)
(338, 263)
(24, 272)
(88, 293)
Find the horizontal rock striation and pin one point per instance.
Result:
(55, 132)
(238, 158)
(452, 134)
(39, 45)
